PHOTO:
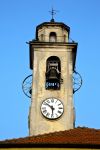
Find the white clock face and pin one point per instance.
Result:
(52, 108)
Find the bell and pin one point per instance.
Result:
(53, 74)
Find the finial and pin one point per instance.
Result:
(53, 12)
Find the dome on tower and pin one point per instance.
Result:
(52, 32)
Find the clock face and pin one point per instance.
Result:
(52, 108)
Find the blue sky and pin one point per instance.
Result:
(18, 20)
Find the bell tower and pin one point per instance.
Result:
(52, 60)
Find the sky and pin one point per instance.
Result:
(18, 21)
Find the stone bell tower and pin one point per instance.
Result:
(52, 59)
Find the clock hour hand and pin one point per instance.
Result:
(50, 107)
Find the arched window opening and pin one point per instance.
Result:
(52, 37)
(53, 73)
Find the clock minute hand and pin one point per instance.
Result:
(52, 110)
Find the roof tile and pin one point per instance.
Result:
(79, 136)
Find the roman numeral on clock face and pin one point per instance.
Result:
(59, 112)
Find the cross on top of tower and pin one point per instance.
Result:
(53, 12)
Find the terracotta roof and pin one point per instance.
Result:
(78, 137)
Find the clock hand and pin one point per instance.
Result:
(52, 108)
(49, 105)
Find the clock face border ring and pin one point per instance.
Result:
(48, 118)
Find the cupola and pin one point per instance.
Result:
(52, 32)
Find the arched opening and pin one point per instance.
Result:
(53, 73)
(52, 37)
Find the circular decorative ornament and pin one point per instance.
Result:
(27, 86)
(77, 81)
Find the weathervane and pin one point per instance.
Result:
(52, 12)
